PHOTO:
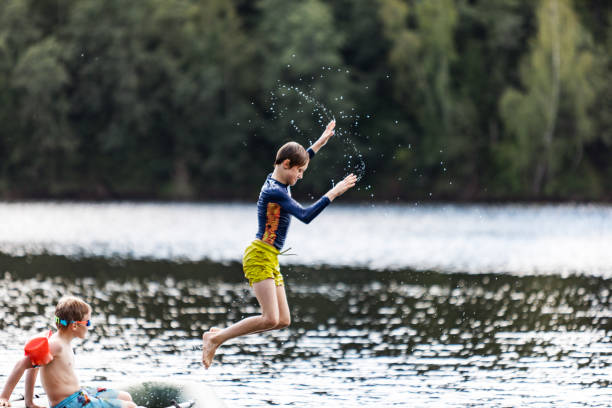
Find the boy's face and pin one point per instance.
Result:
(81, 328)
(295, 173)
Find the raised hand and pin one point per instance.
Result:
(340, 188)
(325, 136)
(329, 131)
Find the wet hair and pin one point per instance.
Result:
(295, 152)
(70, 308)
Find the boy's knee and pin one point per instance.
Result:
(282, 323)
(125, 396)
(269, 321)
(128, 404)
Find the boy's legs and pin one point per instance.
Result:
(266, 293)
(284, 316)
(124, 395)
(108, 403)
(110, 397)
(90, 397)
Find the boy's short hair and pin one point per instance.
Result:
(295, 152)
(69, 309)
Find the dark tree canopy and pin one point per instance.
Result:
(189, 99)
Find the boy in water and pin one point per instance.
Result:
(260, 263)
(72, 319)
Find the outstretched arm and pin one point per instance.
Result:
(13, 379)
(327, 134)
(307, 214)
(304, 214)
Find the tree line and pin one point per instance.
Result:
(463, 100)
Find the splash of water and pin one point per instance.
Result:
(353, 159)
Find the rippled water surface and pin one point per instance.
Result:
(358, 337)
(361, 334)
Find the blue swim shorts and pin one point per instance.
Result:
(91, 397)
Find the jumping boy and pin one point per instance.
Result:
(260, 262)
(56, 360)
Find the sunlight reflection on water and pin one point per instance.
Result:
(520, 240)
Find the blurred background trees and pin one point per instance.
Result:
(189, 99)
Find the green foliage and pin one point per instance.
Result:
(549, 119)
(166, 95)
(421, 59)
(189, 99)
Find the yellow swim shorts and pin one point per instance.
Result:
(260, 262)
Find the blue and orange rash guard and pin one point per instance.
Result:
(275, 208)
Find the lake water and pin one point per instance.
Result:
(521, 240)
(391, 305)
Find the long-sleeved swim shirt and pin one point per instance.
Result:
(275, 208)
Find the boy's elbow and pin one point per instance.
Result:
(306, 220)
(21, 366)
(24, 364)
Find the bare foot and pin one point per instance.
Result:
(214, 329)
(208, 348)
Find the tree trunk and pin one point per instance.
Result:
(543, 166)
